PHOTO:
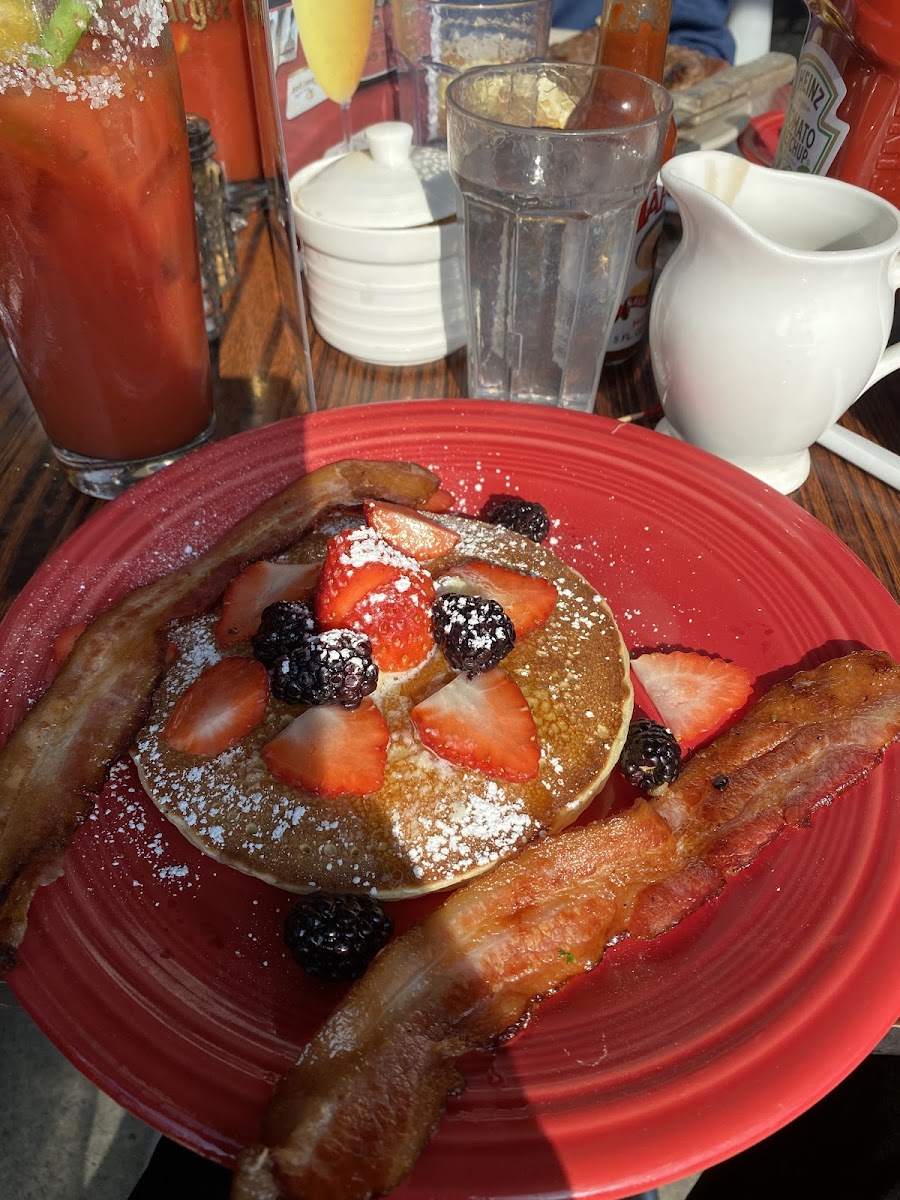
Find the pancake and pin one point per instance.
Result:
(433, 823)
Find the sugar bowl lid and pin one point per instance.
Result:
(390, 185)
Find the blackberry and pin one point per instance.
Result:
(651, 756)
(282, 626)
(474, 632)
(336, 937)
(334, 667)
(521, 516)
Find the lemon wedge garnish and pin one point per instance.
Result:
(19, 27)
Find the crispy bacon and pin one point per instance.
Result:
(350, 1119)
(57, 759)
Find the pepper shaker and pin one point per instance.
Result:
(215, 234)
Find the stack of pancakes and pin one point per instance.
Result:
(433, 823)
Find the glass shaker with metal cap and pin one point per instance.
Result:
(214, 229)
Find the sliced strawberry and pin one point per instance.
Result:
(258, 586)
(356, 561)
(396, 618)
(332, 750)
(483, 722)
(439, 502)
(369, 585)
(223, 703)
(66, 639)
(693, 694)
(409, 531)
(527, 599)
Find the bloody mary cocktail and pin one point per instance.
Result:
(210, 39)
(100, 295)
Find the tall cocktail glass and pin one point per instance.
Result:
(548, 203)
(100, 296)
(211, 43)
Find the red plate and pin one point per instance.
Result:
(161, 975)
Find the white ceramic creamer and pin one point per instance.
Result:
(773, 314)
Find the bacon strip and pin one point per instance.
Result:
(350, 1119)
(58, 758)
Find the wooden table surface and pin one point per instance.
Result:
(260, 380)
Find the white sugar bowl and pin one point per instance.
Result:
(381, 249)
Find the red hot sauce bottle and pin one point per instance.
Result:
(633, 36)
(843, 118)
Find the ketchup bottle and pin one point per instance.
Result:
(633, 36)
(843, 119)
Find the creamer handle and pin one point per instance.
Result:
(890, 360)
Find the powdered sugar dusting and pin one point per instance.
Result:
(120, 821)
(364, 546)
(487, 825)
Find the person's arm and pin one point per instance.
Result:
(576, 14)
(701, 25)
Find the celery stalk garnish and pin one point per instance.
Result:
(63, 31)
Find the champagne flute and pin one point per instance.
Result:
(335, 36)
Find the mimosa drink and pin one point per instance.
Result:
(335, 36)
(100, 296)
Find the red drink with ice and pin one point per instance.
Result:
(100, 295)
(211, 43)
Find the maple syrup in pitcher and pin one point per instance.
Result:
(633, 36)
(843, 118)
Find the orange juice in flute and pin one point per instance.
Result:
(335, 36)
